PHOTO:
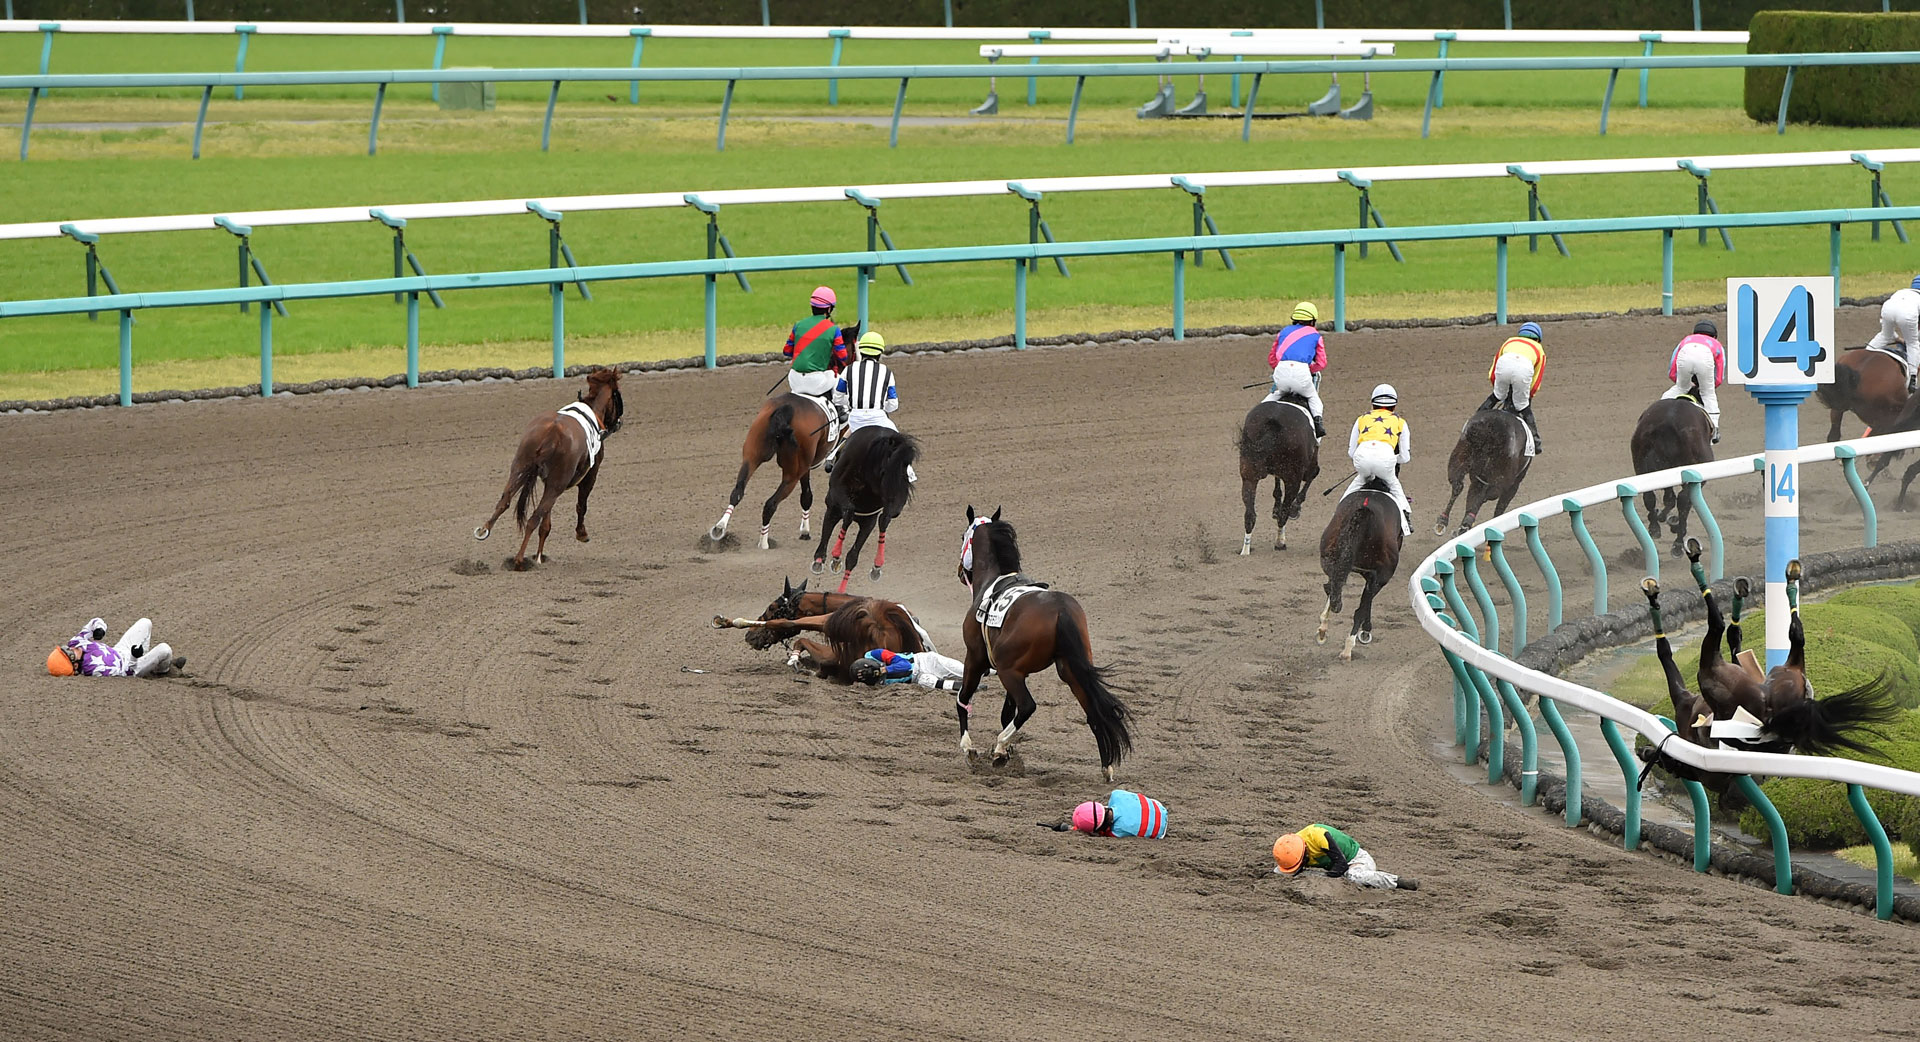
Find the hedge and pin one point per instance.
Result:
(1900, 602)
(1817, 814)
(1854, 96)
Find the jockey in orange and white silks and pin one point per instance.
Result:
(1379, 444)
(1700, 360)
(1299, 354)
(1900, 323)
(1516, 374)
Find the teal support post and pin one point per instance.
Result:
(899, 102)
(726, 103)
(1595, 563)
(1606, 100)
(1469, 567)
(1569, 751)
(1649, 39)
(839, 41)
(413, 340)
(546, 125)
(400, 11)
(863, 293)
(712, 322)
(1445, 39)
(1246, 117)
(373, 127)
(1529, 740)
(1696, 14)
(1319, 14)
(1702, 817)
(1506, 13)
(1073, 110)
(266, 352)
(26, 126)
(126, 357)
(1500, 280)
(766, 16)
(47, 29)
(949, 6)
(1666, 271)
(1439, 606)
(640, 35)
(1648, 550)
(559, 295)
(1531, 525)
(1776, 832)
(1464, 708)
(1020, 305)
(1716, 543)
(1433, 97)
(1868, 515)
(1833, 259)
(1629, 769)
(240, 56)
(440, 34)
(1882, 852)
(1179, 295)
(1470, 737)
(1133, 16)
(1489, 701)
(583, 12)
(1339, 287)
(1496, 549)
(1786, 91)
(1877, 196)
(1033, 85)
(200, 121)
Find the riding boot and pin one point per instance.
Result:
(1527, 415)
(1492, 400)
(1319, 428)
(1913, 382)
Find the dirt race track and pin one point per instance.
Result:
(396, 799)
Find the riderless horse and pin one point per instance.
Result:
(563, 449)
(1019, 627)
(869, 485)
(1362, 539)
(1672, 432)
(1276, 440)
(1489, 461)
(796, 610)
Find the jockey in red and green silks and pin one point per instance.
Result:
(818, 350)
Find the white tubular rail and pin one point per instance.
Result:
(954, 189)
(1272, 46)
(1599, 703)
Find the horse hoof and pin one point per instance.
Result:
(1000, 758)
(834, 564)
(1320, 638)
(1440, 526)
(582, 536)
(716, 533)
(874, 575)
(806, 537)
(481, 532)
(1281, 545)
(1650, 586)
(765, 543)
(1692, 548)
(818, 566)
(1366, 636)
(1742, 587)
(1246, 546)
(1346, 653)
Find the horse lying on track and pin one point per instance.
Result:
(1276, 440)
(1672, 432)
(1363, 538)
(1490, 460)
(851, 625)
(559, 450)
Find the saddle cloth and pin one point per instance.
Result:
(1297, 402)
(1898, 354)
(827, 414)
(999, 599)
(582, 414)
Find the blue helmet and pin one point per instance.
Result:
(1531, 331)
(1916, 282)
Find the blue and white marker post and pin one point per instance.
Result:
(1779, 331)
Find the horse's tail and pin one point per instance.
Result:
(780, 426)
(1827, 725)
(1845, 388)
(1107, 716)
(522, 482)
(1346, 546)
(895, 452)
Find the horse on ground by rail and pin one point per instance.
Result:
(870, 484)
(1364, 539)
(1490, 460)
(1672, 432)
(796, 605)
(1276, 440)
(559, 450)
(1040, 627)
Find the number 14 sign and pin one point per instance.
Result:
(1780, 330)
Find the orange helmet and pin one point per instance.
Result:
(59, 663)
(1289, 852)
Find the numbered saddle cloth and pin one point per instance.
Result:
(1000, 597)
(582, 414)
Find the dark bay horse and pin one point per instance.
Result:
(869, 485)
(857, 626)
(555, 450)
(1362, 539)
(796, 604)
(1489, 461)
(1042, 628)
(793, 429)
(1276, 440)
(1870, 384)
(1672, 432)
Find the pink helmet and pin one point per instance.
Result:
(1088, 817)
(823, 298)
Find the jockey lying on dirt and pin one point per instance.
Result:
(819, 352)
(1326, 847)
(1699, 360)
(135, 655)
(1299, 354)
(1378, 446)
(1900, 324)
(1517, 371)
(929, 669)
(866, 394)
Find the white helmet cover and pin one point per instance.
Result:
(1384, 394)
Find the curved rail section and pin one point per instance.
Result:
(1488, 684)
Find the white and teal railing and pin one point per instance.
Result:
(1454, 605)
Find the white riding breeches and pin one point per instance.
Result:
(859, 418)
(817, 386)
(1362, 872)
(932, 670)
(1900, 323)
(1513, 380)
(1695, 366)
(1294, 378)
(1376, 459)
(140, 635)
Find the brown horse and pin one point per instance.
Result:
(780, 621)
(794, 429)
(1041, 628)
(1490, 460)
(1672, 432)
(852, 627)
(1362, 539)
(868, 485)
(1276, 440)
(1868, 383)
(555, 450)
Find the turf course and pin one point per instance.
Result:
(307, 149)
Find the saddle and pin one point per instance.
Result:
(1898, 354)
(1298, 402)
(1000, 596)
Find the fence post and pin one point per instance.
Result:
(766, 17)
(1500, 280)
(440, 34)
(1716, 544)
(1786, 91)
(47, 29)
(266, 351)
(1776, 832)
(1648, 550)
(1666, 271)
(640, 34)
(240, 57)
(840, 39)
(1596, 563)
(1020, 304)
(1339, 287)
(559, 294)
(400, 11)
(1179, 295)
(126, 356)
(1623, 755)
(1845, 454)
(413, 340)
(1833, 259)
(1882, 852)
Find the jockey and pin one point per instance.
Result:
(1379, 444)
(1700, 361)
(1326, 847)
(818, 352)
(1516, 374)
(88, 654)
(866, 394)
(1299, 354)
(1122, 813)
(1900, 323)
(930, 670)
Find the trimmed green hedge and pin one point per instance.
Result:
(1900, 602)
(1856, 96)
(1817, 813)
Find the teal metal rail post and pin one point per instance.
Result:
(440, 34)
(1529, 741)
(1776, 832)
(1595, 563)
(1882, 851)
(1649, 552)
(1868, 516)
(640, 34)
(1716, 543)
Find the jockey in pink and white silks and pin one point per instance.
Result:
(1379, 444)
(1700, 360)
(1299, 354)
(1900, 323)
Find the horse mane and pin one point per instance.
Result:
(601, 376)
(1003, 548)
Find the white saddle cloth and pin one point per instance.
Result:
(582, 414)
(993, 610)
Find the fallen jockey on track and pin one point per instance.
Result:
(1298, 355)
(1700, 361)
(819, 352)
(1900, 324)
(135, 655)
(1121, 813)
(1516, 373)
(866, 394)
(931, 670)
(1379, 445)
(1326, 847)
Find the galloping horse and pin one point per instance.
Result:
(1491, 460)
(869, 484)
(1363, 538)
(1868, 383)
(558, 449)
(792, 428)
(1276, 440)
(1672, 432)
(1040, 627)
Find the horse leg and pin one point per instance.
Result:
(1833, 432)
(1906, 480)
(1477, 495)
(806, 506)
(840, 541)
(807, 653)
(1682, 505)
(546, 529)
(747, 467)
(971, 672)
(773, 503)
(540, 519)
(1247, 490)
(879, 552)
(580, 507)
(1362, 630)
(1440, 526)
(1019, 708)
(1651, 500)
(1285, 507)
(853, 554)
(1327, 613)
(820, 551)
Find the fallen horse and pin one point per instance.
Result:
(851, 625)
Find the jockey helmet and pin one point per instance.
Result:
(1289, 853)
(1916, 282)
(867, 671)
(59, 663)
(823, 297)
(1089, 817)
(1531, 331)
(1706, 327)
(1385, 395)
(1306, 312)
(871, 344)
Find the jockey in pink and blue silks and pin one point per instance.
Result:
(1299, 354)
(1700, 360)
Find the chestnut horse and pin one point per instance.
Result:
(554, 450)
(1042, 628)
(868, 485)
(1276, 440)
(1672, 432)
(858, 625)
(781, 620)
(1490, 460)
(1868, 383)
(1362, 539)
(793, 429)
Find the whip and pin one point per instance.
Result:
(1337, 484)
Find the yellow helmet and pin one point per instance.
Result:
(871, 344)
(1288, 853)
(1306, 312)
